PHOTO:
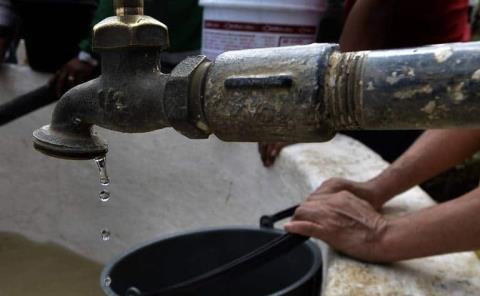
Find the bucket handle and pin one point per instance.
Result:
(268, 221)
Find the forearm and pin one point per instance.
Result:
(367, 25)
(447, 228)
(433, 153)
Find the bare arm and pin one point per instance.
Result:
(434, 152)
(337, 214)
(447, 228)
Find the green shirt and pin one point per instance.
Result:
(183, 18)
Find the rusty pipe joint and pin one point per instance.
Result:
(270, 94)
(183, 100)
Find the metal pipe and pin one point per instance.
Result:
(269, 94)
(300, 93)
(308, 93)
(428, 87)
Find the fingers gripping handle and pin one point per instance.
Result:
(268, 221)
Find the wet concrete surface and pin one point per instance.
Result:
(29, 268)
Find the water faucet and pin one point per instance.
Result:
(300, 93)
(124, 98)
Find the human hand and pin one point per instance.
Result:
(270, 151)
(345, 222)
(368, 191)
(71, 74)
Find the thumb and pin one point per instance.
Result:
(302, 227)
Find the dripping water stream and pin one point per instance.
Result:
(104, 195)
(102, 169)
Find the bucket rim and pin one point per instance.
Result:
(315, 268)
(262, 6)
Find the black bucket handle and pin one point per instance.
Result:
(260, 256)
(268, 221)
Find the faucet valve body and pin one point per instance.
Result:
(126, 97)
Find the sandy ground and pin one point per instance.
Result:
(41, 269)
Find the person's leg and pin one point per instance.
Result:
(52, 32)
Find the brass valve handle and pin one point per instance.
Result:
(130, 28)
(129, 7)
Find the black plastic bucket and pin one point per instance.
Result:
(178, 258)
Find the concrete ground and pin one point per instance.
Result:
(30, 268)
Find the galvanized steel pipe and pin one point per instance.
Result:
(307, 93)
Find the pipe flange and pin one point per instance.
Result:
(183, 98)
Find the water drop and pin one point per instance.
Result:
(104, 195)
(102, 168)
(107, 281)
(105, 235)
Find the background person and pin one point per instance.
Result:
(52, 31)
